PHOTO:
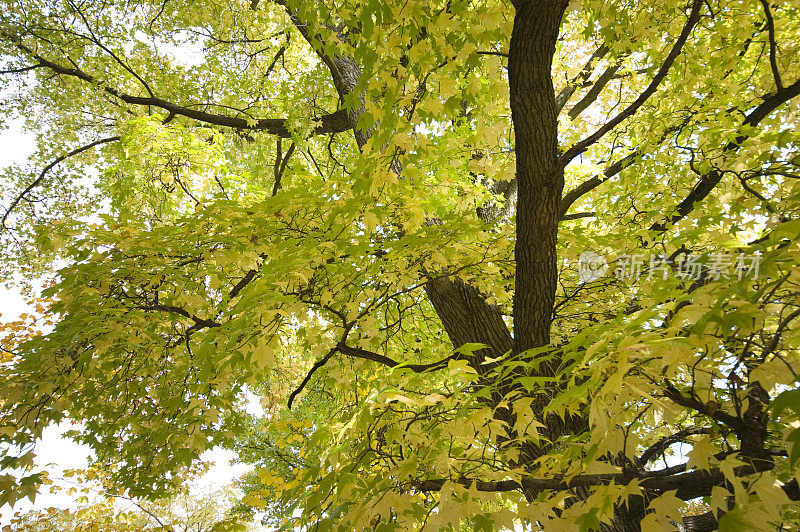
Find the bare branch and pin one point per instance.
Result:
(243, 282)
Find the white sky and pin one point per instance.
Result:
(54, 452)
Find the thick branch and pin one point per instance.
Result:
(676, 396)
(661, 445)
(335, 122)
(578, 215)
(687, 485)
(279, 168)
(595, 91)
(20, 70)
(590, 184)
(706, 522)
(318, 364)
(773, 47)
(468, 318)
(344, 71)
(198, 322)
(357, 352)
(769, 104)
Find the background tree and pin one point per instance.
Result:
(98, 510)
(373, 211)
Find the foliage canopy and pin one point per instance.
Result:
(380, 216)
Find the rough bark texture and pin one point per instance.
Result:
(540, 178)
(468, 318)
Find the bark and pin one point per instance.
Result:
(539, 177)
(468, 318)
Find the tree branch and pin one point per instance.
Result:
(566, 93)
(706, 522)
(491, 52)
(357, 352)
(595, 91)
(578, 215)
(772, 45)
(93, 38)
(279, 168)
(688, 485)
(590, 184)
(49, 167)
(342, 68)
(773, 345)
(198, 322)
(708, 181)
(584, 144)
(672, 393)
(21, 69)
(318, 364)
(661, 445)
(335, 122)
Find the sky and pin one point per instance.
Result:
(56, 453)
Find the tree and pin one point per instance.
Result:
(107, 512)
(393, 218)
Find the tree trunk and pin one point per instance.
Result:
(540, 177)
